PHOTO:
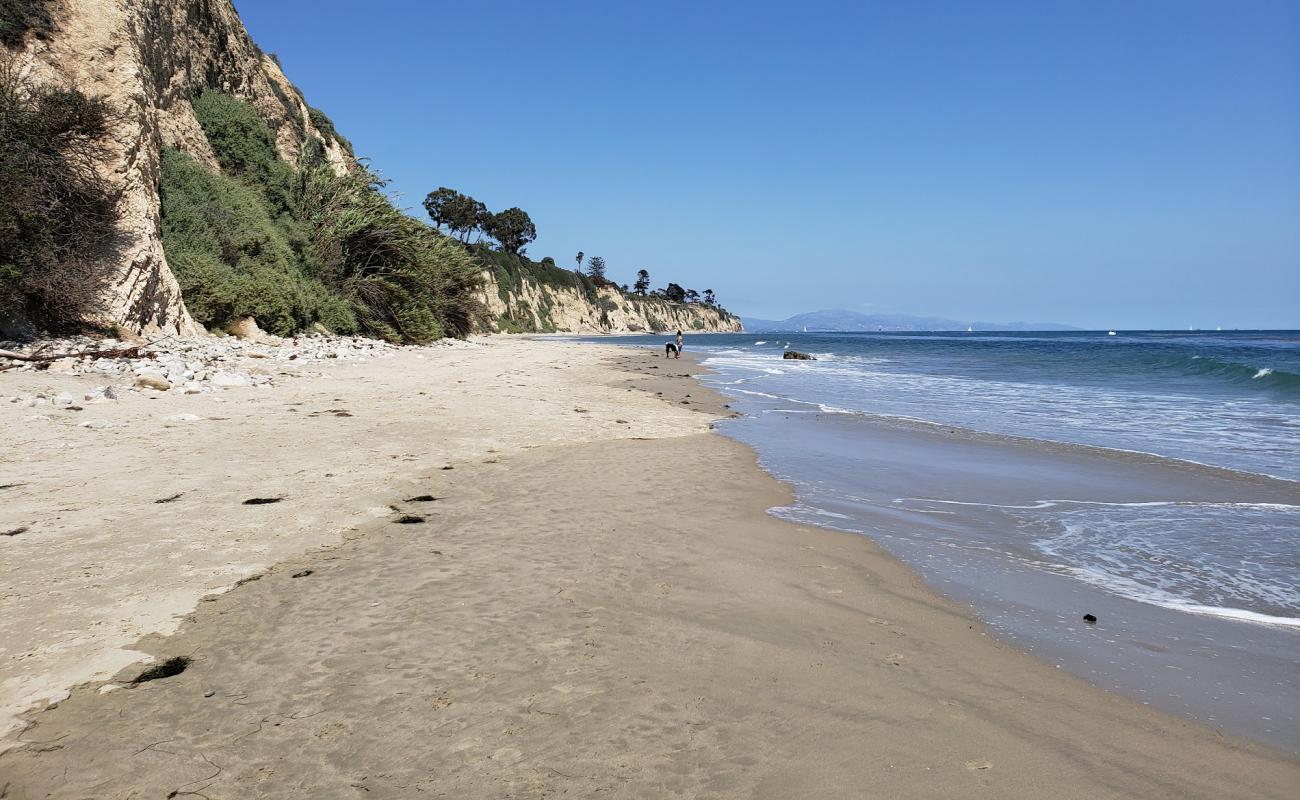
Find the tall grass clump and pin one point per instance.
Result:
(57, 213)
(402, 280)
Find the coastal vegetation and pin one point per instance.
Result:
(469, 221)
(299, 245)
(57, 213)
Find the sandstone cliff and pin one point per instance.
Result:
(526, 296)
(149, 58)
(533, 306)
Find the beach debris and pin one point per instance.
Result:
(249, 579)
(171, 667)
(261, 501)
(421, 498)
(15, 531)
(1090, 619)
(409, 519)
(795, 355)
(209, 693)
(979, 764)
(171, 498)
(302, 573)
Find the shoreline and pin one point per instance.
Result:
(715, 650)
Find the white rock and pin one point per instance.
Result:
(153, 382)
(97, 424)
(229, 380)
(64, 399)
(183, 418)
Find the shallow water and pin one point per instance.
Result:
(1013, 472)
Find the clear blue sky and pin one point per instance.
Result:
(1105, 163)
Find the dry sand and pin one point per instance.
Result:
(595, 604)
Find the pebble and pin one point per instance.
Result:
(194, 366)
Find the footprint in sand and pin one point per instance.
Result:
(977, 764)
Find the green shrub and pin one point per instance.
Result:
(292, 246)
(232, 260)
(325, 125)
(245, 147)
(57, 214)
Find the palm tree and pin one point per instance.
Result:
(581, 255)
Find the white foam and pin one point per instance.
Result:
(1133, 590)
(1263, 373)
(1041, 504)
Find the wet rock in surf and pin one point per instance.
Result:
(795, 355)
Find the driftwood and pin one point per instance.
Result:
(42, 358)
(121, 352)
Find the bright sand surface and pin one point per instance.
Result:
(596, 604)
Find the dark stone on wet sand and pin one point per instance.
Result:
(795, 355)
(1090, 619)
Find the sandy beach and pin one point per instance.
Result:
(512, 569)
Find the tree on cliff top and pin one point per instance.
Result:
(596, 269)
(581, 255)
(675, 293)
(460, 213)
(513, 229)
(642, 284)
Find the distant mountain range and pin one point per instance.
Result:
(840, 320)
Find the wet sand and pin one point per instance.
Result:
(964, 508)
(607, 614)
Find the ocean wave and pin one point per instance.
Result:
(1173, 554)
(1224, 370)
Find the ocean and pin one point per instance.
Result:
(1151, 479)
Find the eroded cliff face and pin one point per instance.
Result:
(535, 307)
(149, 58)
